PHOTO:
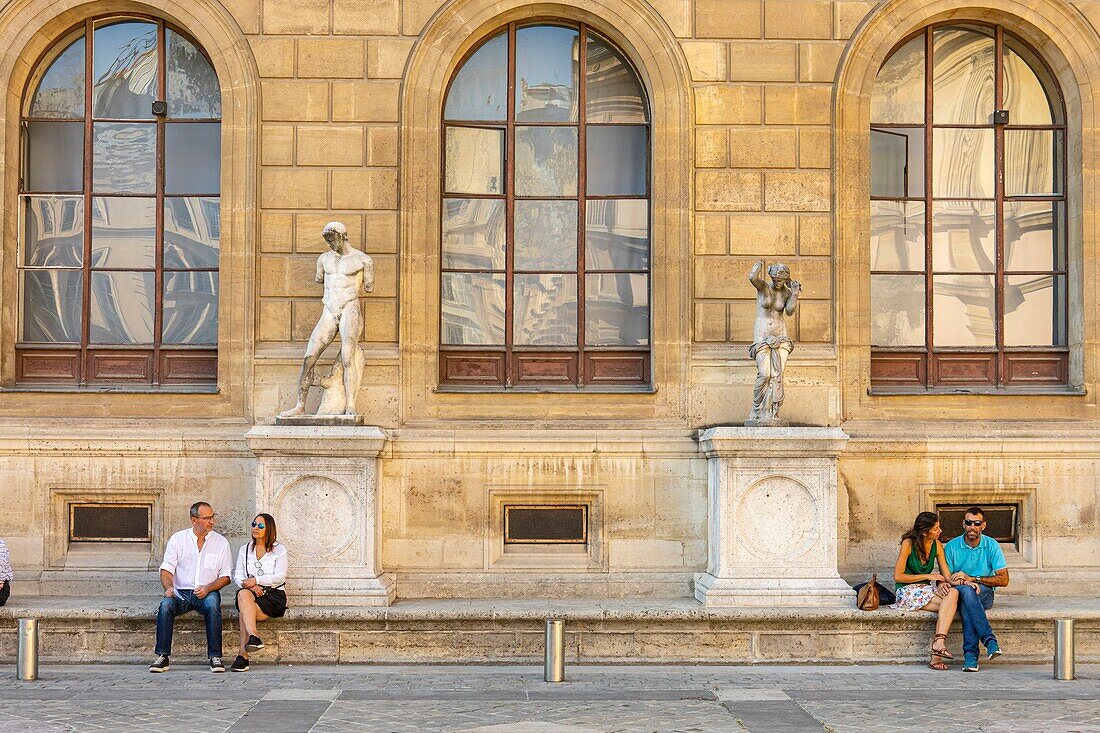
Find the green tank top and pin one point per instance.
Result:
(913, 565)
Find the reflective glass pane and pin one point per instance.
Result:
(473, 309)
(60, 92)
(480, 88)
(546, 74)
(616, 310)
(964, 236)
(618, 160)
(897, 235)
(1035, 307)
(546, 235)
(193, 89)
(55, 156)
(965, 310)
(898, 95)
(962, 76)
(897, 162)
(1034, 235)
(51, 306)
(1026, 82)
(546, 161)
(53, 231)
(124, 70)
(124, 159)
(617, 234)
(473, 234)
(124, 232)
(614, 91)
(1033, 162)
(192, 157)
(190, 308)
(962, 163)
(545, 310)
(897, 310)
(192, 232)
(475, 160)
(122, 307)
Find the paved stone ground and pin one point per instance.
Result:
(491, 699)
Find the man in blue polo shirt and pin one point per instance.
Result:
(977, 567)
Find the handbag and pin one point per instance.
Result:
(867, 597)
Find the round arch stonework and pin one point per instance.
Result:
(29, 28)
(1071, 47)
(645, 38)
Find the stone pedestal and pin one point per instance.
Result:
(772, 517)
(321, 485)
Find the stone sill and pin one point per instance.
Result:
(969, 391)
(548, 389)
(110, 389)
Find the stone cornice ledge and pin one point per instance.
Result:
(769, 442)
(147, 438)
(675, 442)
(317, 441)
(977, 437)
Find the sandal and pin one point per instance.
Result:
(938, 666)
(941, 652)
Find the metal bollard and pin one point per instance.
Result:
(26, 660)
(555, 650)
(1064, 651)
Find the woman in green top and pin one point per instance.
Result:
(918, 588)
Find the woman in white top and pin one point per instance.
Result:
(261, 573)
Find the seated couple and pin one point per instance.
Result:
(196, 568)
(970, 567)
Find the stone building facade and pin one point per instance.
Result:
(759, 117)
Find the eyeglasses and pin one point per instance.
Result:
(259, 525)
(973, 522)
(206, 519)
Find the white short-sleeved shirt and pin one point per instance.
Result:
(269, 570)
(191, 568)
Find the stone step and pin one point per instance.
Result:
(598, 631)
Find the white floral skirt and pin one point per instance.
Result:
(914, 597)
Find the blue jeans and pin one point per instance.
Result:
(211, 609)
(972, 607)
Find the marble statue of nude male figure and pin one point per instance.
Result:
(345, 272)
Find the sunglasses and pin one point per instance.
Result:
(259, 525)
(967, 522)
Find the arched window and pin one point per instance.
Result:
(968, 214)
(545, 251)
(119, 210)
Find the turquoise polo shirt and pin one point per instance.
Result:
(977, 562)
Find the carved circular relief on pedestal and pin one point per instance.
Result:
(777, 519)
(316, 516)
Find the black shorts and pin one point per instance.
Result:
(5, 592)
(272, 602)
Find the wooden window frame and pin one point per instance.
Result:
(85, 364)
(577, 366)
(928, 368)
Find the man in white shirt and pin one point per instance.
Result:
(196, 567)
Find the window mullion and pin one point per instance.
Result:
(158, 247)
(582, 203)
(928, 313)
(999, 195)
(86, 290)
(509, 206)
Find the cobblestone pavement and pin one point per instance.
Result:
(482, 699)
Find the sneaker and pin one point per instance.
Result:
(254, 644)
(970, 663)
(992, 648)
(216, 664)
(240, 664)
(161, 665)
